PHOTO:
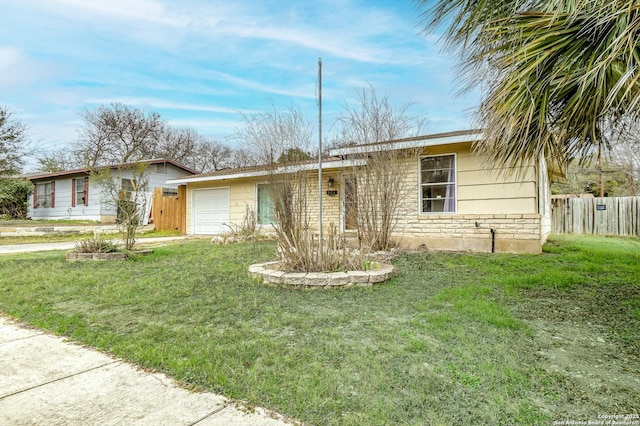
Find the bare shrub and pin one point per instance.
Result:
(127, 195)
(381, 187)
(302, 255)
(380, 184)
(96, 245)
(280, 140)
(248, 227)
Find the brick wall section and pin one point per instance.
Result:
(471, 232)
(330, 204)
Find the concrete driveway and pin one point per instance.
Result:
(46, 380)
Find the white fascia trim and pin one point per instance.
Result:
(280, 170)
(472, 137)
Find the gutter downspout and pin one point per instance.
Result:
(493, 240)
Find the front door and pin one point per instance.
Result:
(350, 204)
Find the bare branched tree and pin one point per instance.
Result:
(374, 119)
(56, 160)
(120, 134)
(625, 154)
(242, 157)
(280, 141)
(177, 143)
(117, 134)
(13, 143)
(379, 186)
(268, 134)
(211, 155)
(128, 195)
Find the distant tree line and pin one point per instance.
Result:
(118, 133)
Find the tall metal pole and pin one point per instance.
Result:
(320, 160)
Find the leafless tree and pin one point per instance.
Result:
(374, 119)
(177, 143)
(379, 186)
(13, 143)
(56, 160)
(268, 134)
(380, 189)
(117, 134)
(130, 200)
(211, 155)
(279, 140)
(625, 154)
(241, 157)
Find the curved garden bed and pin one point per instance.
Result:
(269, 273)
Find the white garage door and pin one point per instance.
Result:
(210, 210)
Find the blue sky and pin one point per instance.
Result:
(199, 63)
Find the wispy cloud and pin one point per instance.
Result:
(9, 58)
(200, 62)
(139, 10)
(162, 104)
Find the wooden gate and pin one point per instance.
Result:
(169, 209)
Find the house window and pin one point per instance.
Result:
(266, 211)
(127, 189)
(438, 184)
(80, 194)
(44, 195)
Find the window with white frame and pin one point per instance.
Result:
(265, 211)
(438, 184)
(44, 194)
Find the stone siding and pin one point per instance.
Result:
(471, 232)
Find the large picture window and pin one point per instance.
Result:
(265, 213)
(438, 184)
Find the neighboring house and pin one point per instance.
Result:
(456, 200)
(72, 194)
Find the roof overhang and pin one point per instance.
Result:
(87, 171)
(409, 143)
(328, 165)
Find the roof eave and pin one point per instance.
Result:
(329, 165)
(408, 144)
(110, 167)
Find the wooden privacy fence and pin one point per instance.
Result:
(604, 216)
(169, 209)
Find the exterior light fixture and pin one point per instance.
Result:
(331, 192)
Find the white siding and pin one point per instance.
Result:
(99, 207)
(62, 203)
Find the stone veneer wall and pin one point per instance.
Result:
(515, 233)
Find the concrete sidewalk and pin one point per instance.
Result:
(46, 380)
(69, 245)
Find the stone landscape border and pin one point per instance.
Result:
(268, 273)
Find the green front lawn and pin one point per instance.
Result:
(454, 339)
